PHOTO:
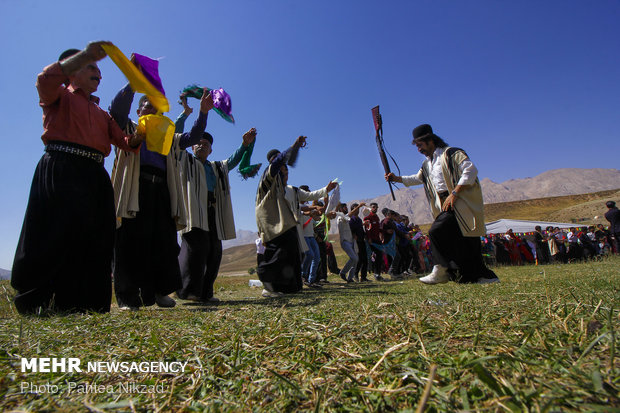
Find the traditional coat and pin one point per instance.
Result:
(126, 182)
(468, 206)
(195, 196)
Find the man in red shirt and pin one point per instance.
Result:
(63, 258)
(372, 225)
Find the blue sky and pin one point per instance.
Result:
(523, 86)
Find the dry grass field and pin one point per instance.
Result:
(545, 339)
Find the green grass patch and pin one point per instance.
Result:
(544, 339)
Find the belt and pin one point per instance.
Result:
(155, 179)
(73, 150)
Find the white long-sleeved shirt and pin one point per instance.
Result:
(468, 170)
(342, 220)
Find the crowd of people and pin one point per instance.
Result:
(372, 245)
(388, 248)
(83, 227)
(551, 245)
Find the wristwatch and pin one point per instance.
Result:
(455, 193)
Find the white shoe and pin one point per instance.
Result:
(164, 301)
(271, 294)
(487, 280)
(439, 275)
(128, 308)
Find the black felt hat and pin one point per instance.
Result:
(423, 131)
(272, 153)
(207, 136)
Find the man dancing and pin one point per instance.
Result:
(150, 210)
(64, 254)
(453, 190)
(277, 206)
(210, 216)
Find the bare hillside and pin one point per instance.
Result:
(555, 183)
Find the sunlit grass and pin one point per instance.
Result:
(545, 339)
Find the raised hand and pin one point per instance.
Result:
(301, 142)
(95, 51)
(186, 109)
(331, 185)
(249, 137)
(206, 102)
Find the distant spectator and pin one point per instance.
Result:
(613, 216)
(588, 246)
(542, 249)
(575, 251)
(601, 232)
(552, 243)
(603, 246)
(513, 247)
(561, 239)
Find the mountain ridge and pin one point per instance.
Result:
(553, 183)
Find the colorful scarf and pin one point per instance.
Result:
(245, 169)
(221, 100)
(138, 76)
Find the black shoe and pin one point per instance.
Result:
(344, 277)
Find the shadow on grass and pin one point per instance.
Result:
(305, 298)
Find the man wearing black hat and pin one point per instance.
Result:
(210, 216)
(613, 216)
(64, 254)
(453, 191)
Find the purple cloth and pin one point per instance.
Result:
(221, 100)
(150, 69)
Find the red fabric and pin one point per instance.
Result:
(307, 222)
(373, 232)
(69, 116)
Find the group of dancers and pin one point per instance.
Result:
(81, 224)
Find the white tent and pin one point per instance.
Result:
(520, 226)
